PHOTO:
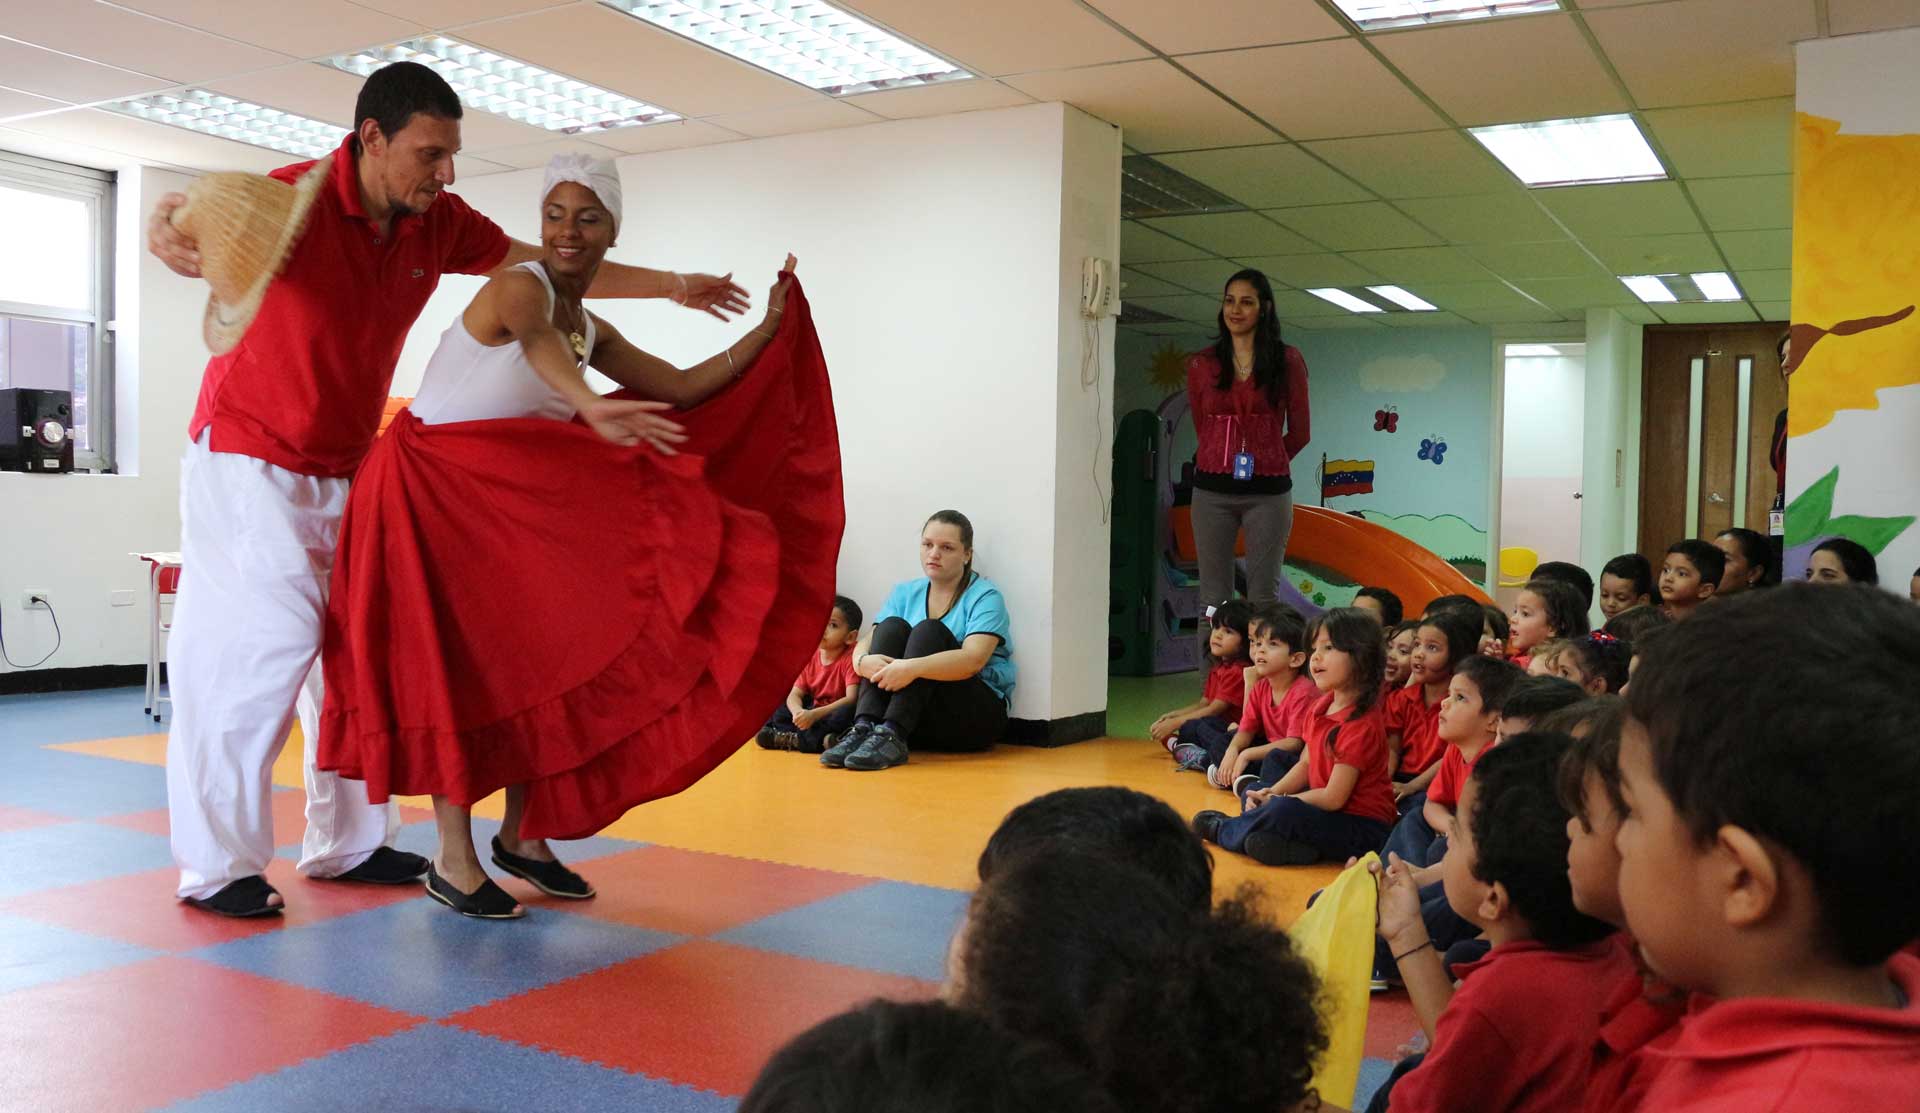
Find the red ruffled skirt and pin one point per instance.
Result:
(519, 601)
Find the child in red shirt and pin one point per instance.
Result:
(1689, 576)
(1468, 720)
(1519, 1032)
(1279, 693)
(1339, 801)
(1400, 640)
(821, 703)
(1544, 611)
(1442, 640)
(1766, 852)
(1188, 732)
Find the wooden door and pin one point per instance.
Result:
(1708, 398)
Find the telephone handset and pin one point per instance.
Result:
(1099, 288)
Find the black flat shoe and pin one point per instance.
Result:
(488, 902)
(551, 878)
(385, 866)
(241, 899)
(1207, 825)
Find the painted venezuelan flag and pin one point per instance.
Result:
(1347, 477)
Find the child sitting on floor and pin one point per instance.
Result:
(821, 703)
(1442, 641)
(1597, 662)
(1764, 769)
(1570, 574)
(1279, 694)
(1690, 576)
(1531, 700)
(1495, 632)
(1469, 724)
(1629, 624)
(1119, 824)
(1518, 1033)
(1187, 731)
(1400, 641)
(1625, 583)
(1544, 610)
(1339, 801)
(1384, 604)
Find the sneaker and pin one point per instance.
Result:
(884, 750)
(1270, 849)
(1207, 826)
(1189, 758)
(840, 746)
(779, 740)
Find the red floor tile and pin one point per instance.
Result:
(141, 909)
(289, 818)
(141, 1036)
(15, 819)
(702, 1014)
(1391, 1022)
(690, 893)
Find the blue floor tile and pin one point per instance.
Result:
(421, 958)
(1373, 1074)
(438, 1068)
(42, 718)
(78, 786)
(61, 854)
(889, 926)
(33, 953)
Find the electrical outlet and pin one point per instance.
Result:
(31, 600)
(122, 598)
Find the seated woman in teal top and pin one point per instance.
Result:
(936, 670)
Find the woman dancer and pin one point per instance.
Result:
(584, 614)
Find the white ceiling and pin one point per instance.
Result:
(1347, 150)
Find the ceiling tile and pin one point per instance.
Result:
(1704, 51)
(1416, 164)
(324, 93)
(1774, 310)
(1316, 90)
(1656, 254)
(1370, 224)
(1552, 259)
(1266, 177)
(1138, 284)
(1471, 297)
(1732, 204)
(1187, 307)
(819, 116)
(1638, 314)
(1298, 303)
(664, 137)
(1531, 315)
(118, 37)
(15, 103)
(1405, 265)
(940, 99)
(1221, 24)
(1508, 217)
(29, 69)
(1704, 313)
(1312, 270)
(471, 167)
(1422, 320)
(1193, 276)
(441, 14)
(1157, 107)
(1166, 328)
(638, 59)
(1579, 293)
(1627, 209)
(1762, 286)
(309, 29)
(1770, 250)
(151, 143)
(1500, 71)
(1351, 320)
(1141, 244)
(1235, 235)
(1000, 37)
(537, 154)
(1725, 140)
(1850, 17)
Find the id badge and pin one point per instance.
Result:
(1243, 465)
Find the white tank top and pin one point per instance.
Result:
(469, 381)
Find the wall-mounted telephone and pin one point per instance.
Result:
(1099, 288)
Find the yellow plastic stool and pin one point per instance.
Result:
(1517, 565)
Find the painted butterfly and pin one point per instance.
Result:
(1387, 420)
(1432, 448)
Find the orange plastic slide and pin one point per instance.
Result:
(1359, 550)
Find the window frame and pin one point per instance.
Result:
(95, 188)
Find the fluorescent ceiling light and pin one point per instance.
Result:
(507, 87)
(212, 114)
(1573, 152)
(1403, 299)
(816, 44)
(1378, 15)
(1716, 286)
(1648, 287)
(1345, 300)
(1149, 187)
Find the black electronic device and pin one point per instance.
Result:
(36, 430)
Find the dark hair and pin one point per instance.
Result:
(1790, 713)
(1492, 615)
(1142, 992)
(1706, 557)
(1855, 560)
(1532, 697)
(1391, 610)
(1596, 752)
(1461, 628)
(1566, 611)
(394, 94)
(849, 610)
(1414, 624)
(1758, 552)
(1571, 574)
(1492, 677)
(1633, 568)
(1235, 615)
(1520, 837)
(1119, 824)
(1633, 623)
(1569, 719)
(1269, 349)
(1602, 655)
(1357, 634)
(1444, 602)
(1283, 623)
(958, 521)
(887, 1056)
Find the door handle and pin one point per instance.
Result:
(1715, 496)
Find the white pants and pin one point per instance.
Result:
(257, 544)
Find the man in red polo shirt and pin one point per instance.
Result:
(282, 422)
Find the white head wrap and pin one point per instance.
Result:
(597, 174)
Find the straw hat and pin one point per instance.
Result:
(246, 225)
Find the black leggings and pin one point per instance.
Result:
(957, 716)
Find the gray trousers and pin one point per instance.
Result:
(1217, 519)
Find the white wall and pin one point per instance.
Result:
(1541, 459)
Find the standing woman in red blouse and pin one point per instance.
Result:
(1248, 394)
